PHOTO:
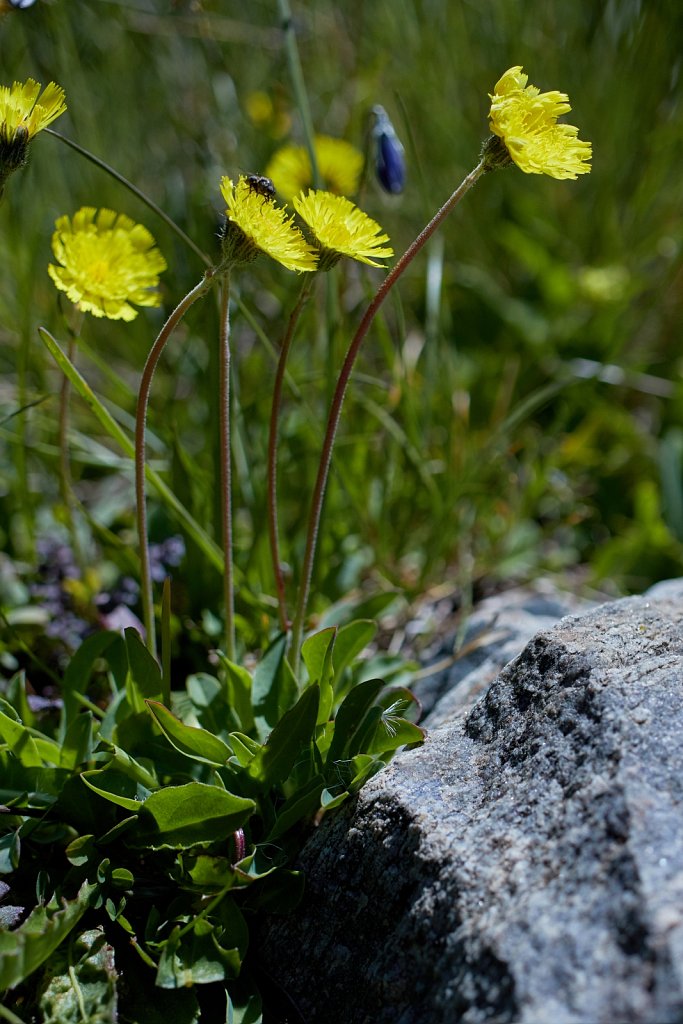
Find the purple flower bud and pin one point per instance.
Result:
(390, 165)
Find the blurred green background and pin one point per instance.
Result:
(518, 407)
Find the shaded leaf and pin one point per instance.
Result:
(119, 789)
(83, 983)
(273, 687)
(24, 949)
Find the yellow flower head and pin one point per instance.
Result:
(256, 225)
(107, 262)
(23, 113)
(526, 122)
(340, 165)
(341, 229)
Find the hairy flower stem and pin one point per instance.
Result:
(272, 451)
(338, 400)
(226, 469)
(140, 424)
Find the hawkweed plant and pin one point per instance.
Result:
(173, 815)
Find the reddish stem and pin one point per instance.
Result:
(338, 399)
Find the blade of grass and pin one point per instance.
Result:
(194, 530)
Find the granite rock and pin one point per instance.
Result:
(526, 864)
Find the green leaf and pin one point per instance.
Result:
(78, 741)
(81, 850)
(82, 986)
(19, 740)
(294, 731)
(244, 747)
(390, 735)
(351, 640)
(330, 800)
(17, 697)
(317, 653)
(196, 958)
(314, 652)
(212, 703)
(32, 787)
(128, 765)
(273, 687)
(350, 715)
(195, 814)
(238, 684)
(10, 850)
(300, 805)
(144, 678)
(208, 873)
(193, 742)
(117, 788)
(244, 1010)
(25, 948)
(79, 670)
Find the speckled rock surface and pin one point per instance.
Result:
(496, 631)
(526, 864)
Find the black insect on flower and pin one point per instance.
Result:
(390, 164)
(261, 185)
(15, 5)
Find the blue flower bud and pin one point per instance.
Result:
(390, 165)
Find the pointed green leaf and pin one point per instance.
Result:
(19, 740)
(238, 684)
(144, 679)
(274, 687)
(117, 788)
(245, 747)
(302, 804)
(79, 670)
(317, 652)
(78, 741)
(196, 743)
(294, 731)
(314, 651)
(350, 715)
(351, 640)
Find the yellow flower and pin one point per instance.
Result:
(22, 105)
(526, 121)
(339, 163)
(107, 262)
(256, 225)
(341, 229)
(24, 113)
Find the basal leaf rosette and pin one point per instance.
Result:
(525, 120)
(341, 229)
(255, 225)
(25, 111)
(339, 165)
(107, 263)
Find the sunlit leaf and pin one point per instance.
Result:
(178, 817)
(193, 742)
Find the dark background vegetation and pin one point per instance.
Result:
(518, 407)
